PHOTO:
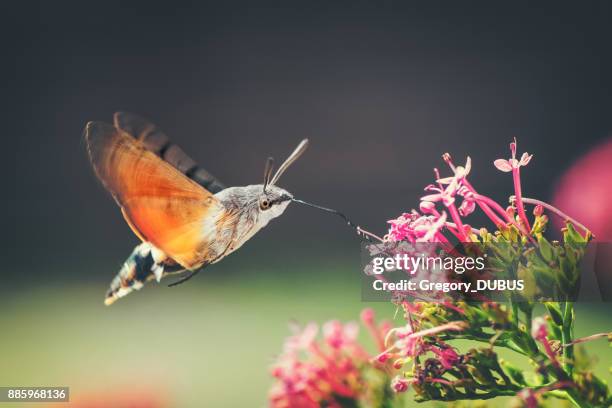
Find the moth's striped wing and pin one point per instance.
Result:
(161, 205)
(156, 141)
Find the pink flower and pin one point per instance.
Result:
(338, 335)
(428, 207)
(461, 173)
(400, 229)
(529, 397)
(406, 343)
(377, 332)
(432, 228)
(448, 357)
(514, 166)
(468, 205)
(454, 185)
(414, 227)
(512, 163)
(301, 339)
(318, 374)
(367, 316)
(399, 384)
(329, 372)
(383, 357)
(539, 329)
(446, 195)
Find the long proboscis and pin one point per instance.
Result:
(299, 150)
(336, 212)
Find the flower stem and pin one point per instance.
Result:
(575, 398)
(516, 176)
(499, 223)
(588, 338)
(457, 219)
(370, 234)
(501, 211)
(515, 316)
(554, 210)
(566, 336)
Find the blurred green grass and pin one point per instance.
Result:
(207, 343)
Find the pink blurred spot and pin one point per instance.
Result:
(585, 191)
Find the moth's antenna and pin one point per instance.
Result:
(268, 172)
(292, 157)
(338, 213)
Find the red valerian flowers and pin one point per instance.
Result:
(334, 370)
(428, 225)
(313, 372)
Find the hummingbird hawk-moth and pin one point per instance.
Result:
(185, 218)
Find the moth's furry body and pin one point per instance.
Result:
(241, 219)
(247, 217)
(167, 200)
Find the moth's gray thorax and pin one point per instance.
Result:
(245, 216)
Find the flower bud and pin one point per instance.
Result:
(447, 157)
(399, 384)
(538, 210)
(383, 357)
(397, 364)
(367, 316)
(427, 207)
(277, 372)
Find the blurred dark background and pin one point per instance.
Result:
(382, 89)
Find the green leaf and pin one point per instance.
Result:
(513, 372)
(554, 310)
(546, 249)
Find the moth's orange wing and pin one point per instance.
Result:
(155, 140)
(161, 205)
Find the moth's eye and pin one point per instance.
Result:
(264, 203)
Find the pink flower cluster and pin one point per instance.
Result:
(407, 343)
(334, 370)
(428, 224)
(314, 373)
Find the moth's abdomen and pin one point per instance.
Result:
(143, 265)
